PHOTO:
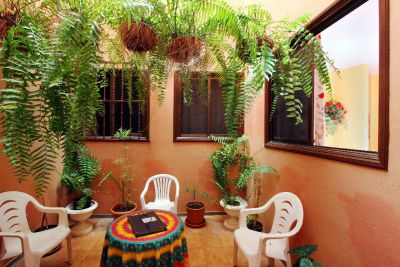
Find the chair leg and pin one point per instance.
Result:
(235, 253)
(254, 262)
(69, 246)
(32, 260)
(288, 262)
(271, 262)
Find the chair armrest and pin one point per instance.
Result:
(22, 236)
(245, 212)
(280, 236)
(62, 213)
(176, 197)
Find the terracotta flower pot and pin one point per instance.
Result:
(195, 214)
(184, 49)
(7, 20)
(138, 36)
(116, 213)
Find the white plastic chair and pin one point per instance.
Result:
(17, 236)
(288, 210)
(162, 186)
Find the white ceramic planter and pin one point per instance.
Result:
(232, 222)
(80, 216)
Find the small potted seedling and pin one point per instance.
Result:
(124, 181)
(195, 208)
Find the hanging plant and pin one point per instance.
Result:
(335, 115)
(185, 50)
(245, 47)
(138, 36)
(7, 20)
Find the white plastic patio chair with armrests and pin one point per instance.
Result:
(287, 222)
(162, 186)
(17, 236)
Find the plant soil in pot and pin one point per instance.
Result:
(231, 223)
(257, 226)
(87, 202)
(185, 49)
(117, 211)
(138, 36)
(195, 214)
(7, 20)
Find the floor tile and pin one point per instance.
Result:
(210, 246)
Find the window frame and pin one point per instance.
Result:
(378, 159)
(177, 136)
(135, 137)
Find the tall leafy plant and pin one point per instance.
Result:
(51, 95)
(234, 153)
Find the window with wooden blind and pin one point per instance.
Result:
(116, 110)
(203, 116)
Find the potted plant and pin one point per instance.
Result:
(138, 36)
(233, 153)
(252, 222)
(303, 253)
(187, 44)
(78, 180)
(124, 181)
(135, 28)
(7, 20)
(195, 208)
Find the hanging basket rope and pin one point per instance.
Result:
(138, 36)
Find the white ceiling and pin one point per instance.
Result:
(354, 40)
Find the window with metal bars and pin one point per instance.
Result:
(197, 120)
(117, 113)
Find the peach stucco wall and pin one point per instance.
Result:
(352, 212)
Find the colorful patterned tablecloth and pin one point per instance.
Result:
(168, 248)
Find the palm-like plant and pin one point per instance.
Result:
(233, 153)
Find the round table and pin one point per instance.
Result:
(168, 248)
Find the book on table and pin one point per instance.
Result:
(146, 224)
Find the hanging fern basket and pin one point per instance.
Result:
(185, 49)
(138, 36)
(7, 20)
(243, 47)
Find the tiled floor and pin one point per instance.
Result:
(211, 246)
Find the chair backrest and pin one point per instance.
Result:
(288, 210)
(162, 185)
(13, 211)
(13, 217)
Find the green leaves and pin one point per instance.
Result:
(51, 95)
(232, 153)
(303, 252)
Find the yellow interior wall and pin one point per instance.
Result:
(373, 112)
(351, 88)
